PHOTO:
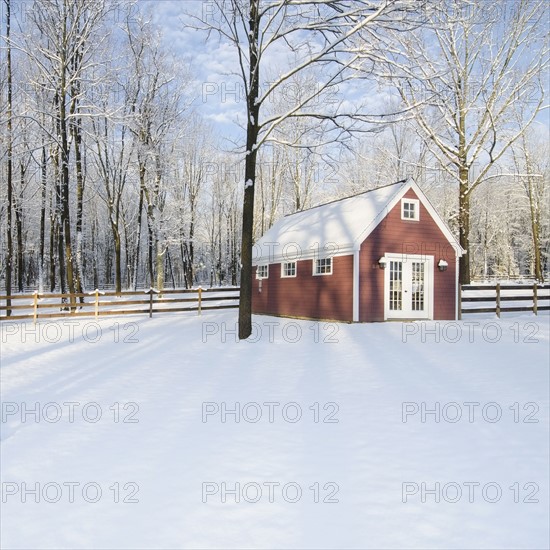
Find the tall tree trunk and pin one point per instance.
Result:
(139, 220)
(53, 240)
(183, 252)
(18, 206)
(64, 168)
(534, 211)
(155, 229)
(160, 267)
(77, 137)
(245, 295)
(535, 230)
(76, 133)
(59, 238)
(464, 231)
(118, 259)
(191, 249)
(43, 178)
(463, 188)
(65, 205)
(118, 263)
(61, 256)
(150, 250)
(236, 251)
(9, 174)
(127, 252)
(170, 267)
(94, 253)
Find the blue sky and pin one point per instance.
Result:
(216, 86)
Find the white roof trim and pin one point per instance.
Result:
(267, 251)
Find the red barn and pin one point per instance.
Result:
(380, 255)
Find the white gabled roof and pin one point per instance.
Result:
(338, 227)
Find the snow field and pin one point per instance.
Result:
(167, 433)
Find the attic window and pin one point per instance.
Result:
(410, 209)
(323, 266)
(262, 272)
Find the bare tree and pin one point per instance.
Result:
(533, 168)
(113, 156)
(193, 161)
(156, 105)
(219, 260)
(464, 75)
(320, 35)
(62, 50)
(9, 175)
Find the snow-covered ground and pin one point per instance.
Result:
(119, 434)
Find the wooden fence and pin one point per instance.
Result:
(498, 296)
(97, 303)
(492, 299)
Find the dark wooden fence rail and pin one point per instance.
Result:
(40, 306)
(501, 293)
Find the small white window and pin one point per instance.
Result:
(288, 269)
(323, 266)
(262, 272)
(410, 209)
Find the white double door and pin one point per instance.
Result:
(408, 287)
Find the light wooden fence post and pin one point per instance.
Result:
(35, 312)
(200, 300)
(96, 294)
(535, 299)
(498, 300)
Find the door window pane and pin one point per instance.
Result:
(396, 286)
(417, 286)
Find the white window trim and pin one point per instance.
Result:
(262, 265)
(416, 203)
(283, 276)
(315, 260)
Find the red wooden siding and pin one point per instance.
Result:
(394, 235)
(306, 295)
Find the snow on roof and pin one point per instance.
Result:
(329, 229)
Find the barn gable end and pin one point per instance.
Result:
(394, 235)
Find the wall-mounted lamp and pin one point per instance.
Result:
(382, 263)
(442, 265)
